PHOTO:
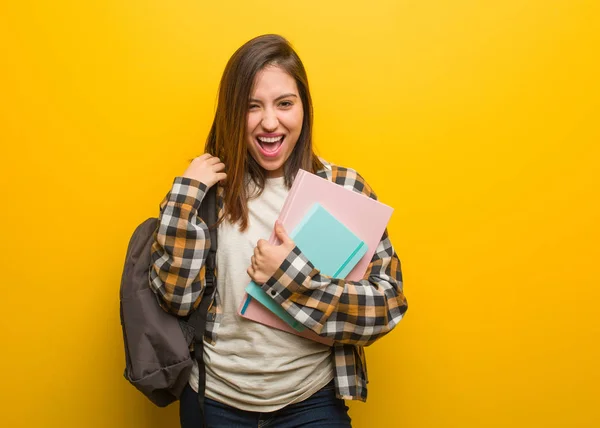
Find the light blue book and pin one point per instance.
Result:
(329, 245)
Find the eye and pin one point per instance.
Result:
(253, 107)
(286, 104)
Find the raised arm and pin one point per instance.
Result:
(182, 240)
(180, 248)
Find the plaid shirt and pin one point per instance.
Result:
(354, 314)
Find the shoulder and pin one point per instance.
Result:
(346, 177)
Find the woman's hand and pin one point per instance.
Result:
(267, 257)
(207, 169)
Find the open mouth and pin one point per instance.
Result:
(270, 146)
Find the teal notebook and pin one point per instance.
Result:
(328, 244)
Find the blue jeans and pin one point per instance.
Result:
(322, 409)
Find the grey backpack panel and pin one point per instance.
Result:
(158, 360)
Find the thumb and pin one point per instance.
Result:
(282, 234)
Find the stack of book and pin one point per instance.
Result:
(336, 228)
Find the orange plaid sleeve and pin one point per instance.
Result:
(180, 248)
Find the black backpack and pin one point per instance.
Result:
(157, 357)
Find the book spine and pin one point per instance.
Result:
(288, 201)
(246, 303)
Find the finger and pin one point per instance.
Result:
(256, 252)
(250, 272)
(198, 158)
(213, 160)
(282, 234)
(261, 244)
(204, 156)
(218, 167)
(221, 176)
(253, 262)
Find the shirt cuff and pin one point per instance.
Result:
(291, 277)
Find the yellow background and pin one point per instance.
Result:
(477, 120)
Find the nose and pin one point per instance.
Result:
(269, 120)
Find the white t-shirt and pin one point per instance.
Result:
(251, 366)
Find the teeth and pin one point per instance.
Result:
(270, 139)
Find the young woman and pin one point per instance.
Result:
(256, 375)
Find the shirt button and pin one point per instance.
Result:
(273, 293)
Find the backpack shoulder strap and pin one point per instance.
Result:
(208, 213)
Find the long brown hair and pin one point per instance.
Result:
(227, 136)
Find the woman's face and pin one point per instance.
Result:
(275, 117)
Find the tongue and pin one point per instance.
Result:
(270, 147)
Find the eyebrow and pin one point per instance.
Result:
(276, 99)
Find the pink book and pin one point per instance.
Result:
(364, 216)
